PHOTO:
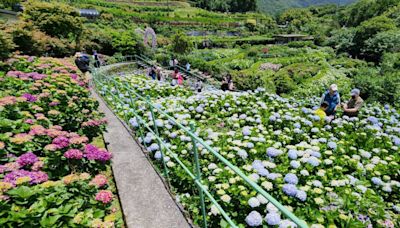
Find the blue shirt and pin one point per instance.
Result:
(332, 101)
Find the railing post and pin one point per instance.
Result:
(158, 137)
(134, 112)
(198, 175)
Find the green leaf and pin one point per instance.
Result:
(49, 221)
(23, 192)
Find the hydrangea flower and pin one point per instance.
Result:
(253, 202)
(273, 219)
(254, 219)
(242, 154)
(246, 131)
(104, 196)
(27, 159)
(289, 189)
(376, 181)
(295, 164)
(291, 178)
(273, 152)
(313, 161)
(332, 145)
(301, 195)
(292, 154)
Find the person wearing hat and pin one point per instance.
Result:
(332, 97)
(353, 106)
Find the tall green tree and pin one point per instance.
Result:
(181, 44)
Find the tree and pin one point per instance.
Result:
(295, 17)
(369, 29)
(228, 5)
(387, 41)
(181, 44)
(54, 19)
(6, 45)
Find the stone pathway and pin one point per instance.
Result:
(145, 201)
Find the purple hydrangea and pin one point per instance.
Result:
(36, 176)
(263, 172)
(29, 97)
(289, 189)
(94, 153)
(61, 142)
(291, 178)
(246, 131)
(257, 165)
(273, 219)
(254, 219)
(27, 159)
(73, 154)
(272, 176)
(316, 154)
(297, 125)
(373, 120)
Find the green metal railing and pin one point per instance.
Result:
(102, 82)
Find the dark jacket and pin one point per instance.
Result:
(82, 64)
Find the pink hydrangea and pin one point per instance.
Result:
(104, 196)
(99, 180)
(73, 154)
(61, 142)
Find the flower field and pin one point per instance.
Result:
(51, 174)
(339, 174)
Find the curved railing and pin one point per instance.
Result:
(102, 81)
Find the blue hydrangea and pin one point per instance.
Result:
(154, 147)
(373, 120)
(157, 155)
(314, 130)
(272, 176)
(316, 154)
(322, 140)
(263, 172)
(295, 164)
(272, 118)
(148, 139)
(250, 145)
(291, 178)
(242, 153)
(292, 154)
(159, 123)
(289, 189)
(242, 116)
(173, 135)
(396, 141)
(273, 219)
(246, 131)
(308, 123)
(297, 125)
(297, 131)
(257, 165)
(254, 219)
(315, 118)
(313, 161)
(301, 195)
(377, 181)
(273, 152)
(332, 145)
(305, 110)
(134, 122)
(387, 107)
(199, 109)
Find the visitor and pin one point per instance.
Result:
(353, 106)
(332, 97)
(225, 83)
(153, 73)
(230, 83)
(180, 79)
(160, 76)
(82, 62)
(175, 77)
(199, 85)
(96, 59)
(321, 110)
(187, 66)
(176, 62)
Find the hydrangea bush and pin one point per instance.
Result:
(343, 173)
(50, 173)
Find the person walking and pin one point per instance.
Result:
(353, 106)
(332, 97)
(96, 59)
(187, 66)
(199, 85)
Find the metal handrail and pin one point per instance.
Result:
(196, 140)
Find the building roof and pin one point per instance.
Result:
(290, 35)
(89, 12)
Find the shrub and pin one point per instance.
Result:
(181, 43)
(301, 44)
(6, 45)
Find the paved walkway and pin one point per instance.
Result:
(145, 201)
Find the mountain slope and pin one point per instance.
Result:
(276, 6)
